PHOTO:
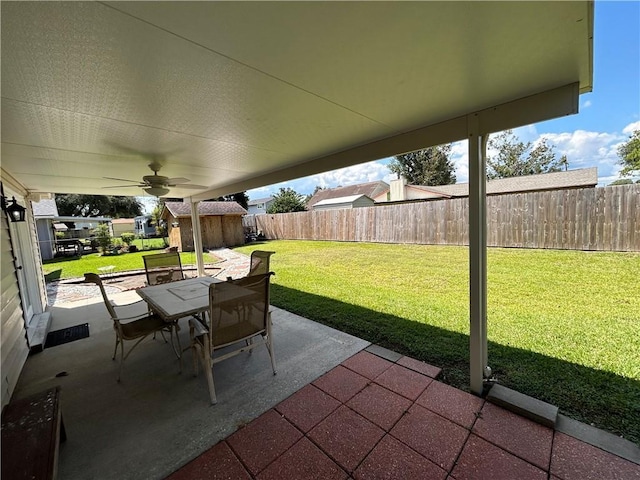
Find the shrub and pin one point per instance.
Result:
(127, 238)
(103, 236)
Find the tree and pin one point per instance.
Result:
(315, 190)
(103, 237)
(516, 158)
(287, 200)
(629, 154)
(78, 205)
(431, 166)
(622, 181)
(241, 198)
(160, 224)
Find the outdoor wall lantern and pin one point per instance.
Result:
(175, 224)
(15, 211)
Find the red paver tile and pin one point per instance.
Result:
(482, 460)
(217, 463)
(573, 459)
(341, 383)
(456, 405)
(437, 438)
(420, 367)
(403, 381)
(307, 407)
(263, 440)
(518, 435)
(346, 437)
(381, 406)
(367, 364)
(393, 460)
(303, 461)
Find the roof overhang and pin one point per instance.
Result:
(237, 95)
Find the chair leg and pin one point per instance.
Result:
(269, 344)
(115, 350)
(121, 361)
(177, 351)
(207, 364)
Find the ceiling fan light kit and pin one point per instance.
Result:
(157, 191)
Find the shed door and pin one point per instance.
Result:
(13, 337)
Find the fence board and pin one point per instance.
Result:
(606, 219)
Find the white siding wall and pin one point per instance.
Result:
(12, 330)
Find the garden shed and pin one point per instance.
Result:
(221, 224)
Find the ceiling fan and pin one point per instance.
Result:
(157, 185)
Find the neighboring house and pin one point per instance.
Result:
(260, 205)
(352, 201)
(48, 223)
(372, 190)
(580, 178)
(220, 222)
(144, 226)
(122, 225)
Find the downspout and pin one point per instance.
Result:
(479, 370)
(197, 237)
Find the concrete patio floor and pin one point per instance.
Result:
(338, 408)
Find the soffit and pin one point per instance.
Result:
(231, 92)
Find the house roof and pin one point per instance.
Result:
(583, 177)
(270, 109)
(123, 220)
(370, 189)
(260, 200)
(180, 209)
(336, 200)
(45, 208)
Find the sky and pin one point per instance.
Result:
(607, 116)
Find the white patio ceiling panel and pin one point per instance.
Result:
(230, 92)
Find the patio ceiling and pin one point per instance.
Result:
(236, 95)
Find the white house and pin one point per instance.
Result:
(259, 205)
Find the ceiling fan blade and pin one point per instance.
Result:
(121, 179)
(124, 186)
(177, 180)
(188, 185)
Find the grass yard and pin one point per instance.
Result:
(563, 326)
(75, 267)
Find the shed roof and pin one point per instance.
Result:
(180, 209)
(370, 189)
(122, 220)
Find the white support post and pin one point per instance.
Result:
(477, 255)
(197, 237)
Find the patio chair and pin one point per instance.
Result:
(238, 313)
(259, 262)
(163, 268)
(137, 327)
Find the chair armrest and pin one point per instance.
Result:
(198, 327)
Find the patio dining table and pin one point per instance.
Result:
(175, 300)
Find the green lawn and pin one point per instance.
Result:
(563, 326)
(75, 267)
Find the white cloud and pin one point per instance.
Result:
(583, 149)
(586, 104)
(632, 127)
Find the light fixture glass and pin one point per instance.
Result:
(14, 211)
(157, 191)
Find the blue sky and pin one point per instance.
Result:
(608, 115)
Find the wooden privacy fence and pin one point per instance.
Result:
(606, 219)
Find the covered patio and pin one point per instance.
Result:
(221, 97)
